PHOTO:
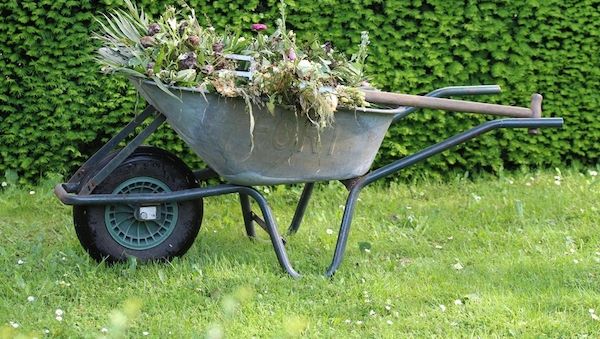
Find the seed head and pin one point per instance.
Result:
(187, 60)
(208, 69)
(147, 41)
(182, 27)
(150, 69)
(153, 29)
(193, 40)
(218, 47)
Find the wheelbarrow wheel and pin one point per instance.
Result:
(157, 232)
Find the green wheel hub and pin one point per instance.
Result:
(129, 231)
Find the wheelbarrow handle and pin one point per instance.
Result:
(449, 91)
(535, 110)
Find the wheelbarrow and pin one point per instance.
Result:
(145, 202)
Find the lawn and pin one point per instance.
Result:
(514, 255)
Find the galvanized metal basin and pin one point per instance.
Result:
(282, 149)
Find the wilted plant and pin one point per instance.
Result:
(174, 49)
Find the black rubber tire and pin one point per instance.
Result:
(146, 161)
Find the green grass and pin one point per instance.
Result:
(509, 256)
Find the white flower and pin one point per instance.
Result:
(389, 322)
(145, 333)
(595, 317)
(329, 231)
(527, 184)
(458, 266)
(14, 324)
(476, 197)
(372, 313)
(46, 331)
(557, 182)
(104, 330)
(591, 172)
(31, 298)
(591, 310)
(388, 307)
(32, 192)
(442, 307)
(4, 184)
(359, 322)
(59, 312)
(59, 318)
(304, 68)
(20, 262)
(458, 302)
(347, 321)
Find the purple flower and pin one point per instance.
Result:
(258, 27)
(292, 54)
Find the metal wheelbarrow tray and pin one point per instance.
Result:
(145, 202)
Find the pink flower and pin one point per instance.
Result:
(258, 27)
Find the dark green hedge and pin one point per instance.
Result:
(56, 108)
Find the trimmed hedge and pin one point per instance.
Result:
(56, 108)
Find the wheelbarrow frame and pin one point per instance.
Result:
(78, 193)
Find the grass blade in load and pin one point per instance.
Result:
(137, 17)
(125, 27)
(164, 88)
(131, 72)
(113, 35)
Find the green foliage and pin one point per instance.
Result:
(56, 108)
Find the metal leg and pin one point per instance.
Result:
(301, 208)
(247, 214)
(276, 240)
(340, 246)
(397, 165)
